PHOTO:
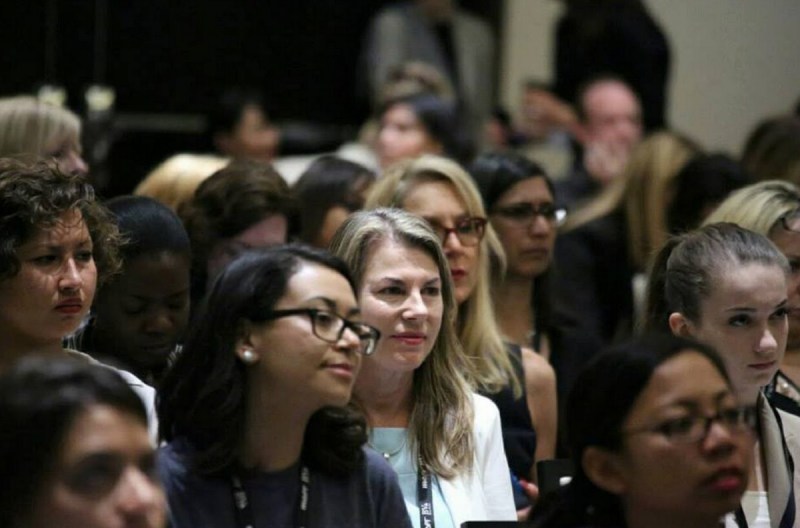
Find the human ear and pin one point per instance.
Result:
(604, 469)
(680, 325)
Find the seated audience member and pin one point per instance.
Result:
(327, 192)
(74, 449)
(726, 286)
(520, 382)
(618, 37)
(239, 127)
(458, 44)
(139, 315)
(519, 198)
(174, 181)
(253, 409)
(772, 151)
(609, 242)
(243, 206)
(658, 439)
(405, 80)
(32, 130)
(546, 124)
(700, 186)
(443, 441)
(57, 244)
(772, 208)
(410, 126)
(609, 126)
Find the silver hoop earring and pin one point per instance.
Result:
(248, 356)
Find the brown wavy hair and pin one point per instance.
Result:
(35, 196)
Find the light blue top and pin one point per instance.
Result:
(394, 441)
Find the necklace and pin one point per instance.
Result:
(388, 454)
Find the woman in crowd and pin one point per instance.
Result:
(700, 186)
(174, 181)
(770, 208)
(74, 449)
(245, 205)
(32, 130)
(417, 124)
(520, 200)
(608, 243)
(329, 190)
(658, 439)
(239, 127)
(253, 408)
(57, 242)
(520, 382)
(772, 150)
(139, 316)
(422, 416)
(726, 286)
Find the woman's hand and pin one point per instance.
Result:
(532, 492)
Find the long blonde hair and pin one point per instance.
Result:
(489, 366)
(440, 426)
(643, 191)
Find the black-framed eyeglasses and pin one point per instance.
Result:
(469, 231)
(694, 428)
(791, 221)
(524, 213)
(330, 326)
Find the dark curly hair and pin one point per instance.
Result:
(202, 397)
(35, 196)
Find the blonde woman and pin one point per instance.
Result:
(174, 180)
(608, 242)
(422, 415)
(772, 208)
(520, 381)
(31, 130)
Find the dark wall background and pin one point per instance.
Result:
(174, 57)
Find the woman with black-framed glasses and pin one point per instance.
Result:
(772, 208)
(254, 409)
(521, 202)
(658, 439)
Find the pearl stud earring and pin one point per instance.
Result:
(248, 356)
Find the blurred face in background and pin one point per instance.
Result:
(786, 236)
(403, 135)
(253, 137)
(67, 153)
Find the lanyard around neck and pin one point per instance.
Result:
(424, 496)
(244, 511)
(787, 520)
